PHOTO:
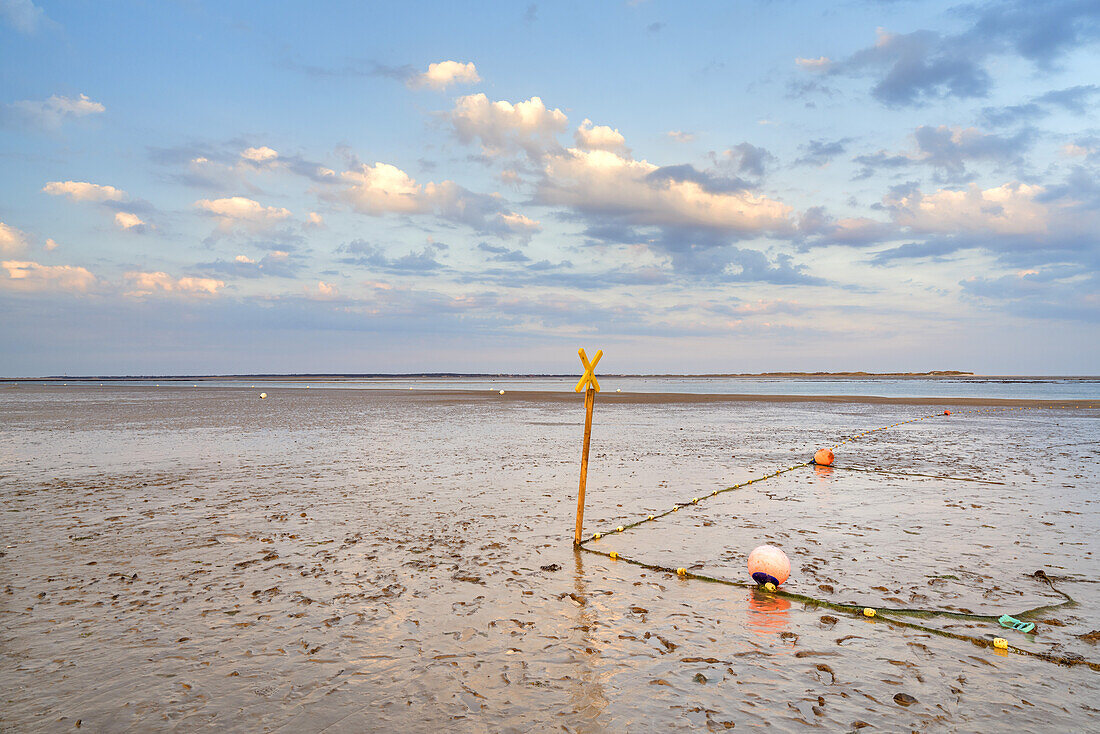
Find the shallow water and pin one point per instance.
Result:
(1016, 388)
(360, 560)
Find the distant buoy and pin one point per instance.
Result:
(619, 390)
(501, 392)
(823, 457)
(947, 412)
(263, 396)
(769, 565)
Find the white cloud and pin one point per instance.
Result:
(50, 113)
(386, 189)
(383, 188)
(443, 74)
(600, 137)
(260, 156)
(12, 240)
(1010, 209)
(240, 211)
(313, 219)
(129, 221)
(146, 284)
(277, 255)
(601, 182)
(84, 191)
(680, 136)
(50, 245)
(32, 277)
(503, 126)
(245, 259)
(23, 15)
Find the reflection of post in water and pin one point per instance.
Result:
(587, 696)
(768, 613)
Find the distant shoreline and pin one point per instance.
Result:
(335, 377)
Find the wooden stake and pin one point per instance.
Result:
(589, 402)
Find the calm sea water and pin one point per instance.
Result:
(1029, 388)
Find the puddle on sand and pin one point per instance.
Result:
(365, 561)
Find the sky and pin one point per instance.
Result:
(193, 187)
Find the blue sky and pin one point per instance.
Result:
(194, 187)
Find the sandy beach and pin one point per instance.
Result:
(353, 560)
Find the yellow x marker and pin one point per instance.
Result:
(589, 378)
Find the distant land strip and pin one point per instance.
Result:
(294, 377)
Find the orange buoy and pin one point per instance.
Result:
(947, 412)
(768, 564)
(823, 457)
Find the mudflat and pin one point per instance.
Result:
(364, 560)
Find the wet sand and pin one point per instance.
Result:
(365, 560)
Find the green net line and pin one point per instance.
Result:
(886, 614)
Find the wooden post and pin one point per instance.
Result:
(590, 386)
(589, 402)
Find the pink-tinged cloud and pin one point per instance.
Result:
(160, 283)
(32, 277)
(502, 126)
(239, 212)
(130, 222)
(84, 191)
(602, 182)
(12, 240)
(1010, 209)
(443, 74)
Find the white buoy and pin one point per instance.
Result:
(263, 395)
(619, 390)
(501, 392)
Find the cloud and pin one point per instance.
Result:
(32, 277)
(881, 160)
(1074, 100)
(84, 191)
(519, 224)
(1010, 209)
(130, 222)
(443, 74)
(820, 152)
(23, 15)
(323, 291)
(680, 136)
(12, 240)
(745, 159)
(50, 113)
(820, 229)
(238, 211)
(502, 127)
(260, 157)
(1061, 292)
(601, 183)
(600, 137)
(50, 244)
(314, 220)
(818, 64)
(364, 254)
(160, 283)
(384, 189)
(913, 68)
(503, 254)
(277, 263)
(949, 148)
